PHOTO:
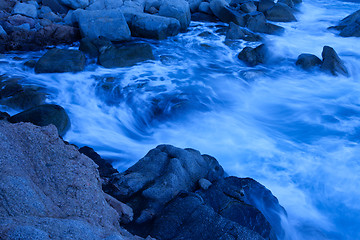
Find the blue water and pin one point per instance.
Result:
(295, 132)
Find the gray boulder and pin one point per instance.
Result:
(44, 115)
(332, 63)
(75, 4)
(152, 26)
(236, 32)
(178, 9)
(109, 24)
(225, 13)
(159, 176)
(256, 22)
(308, 61)
(253, 56)
(280, 13)
(125, 56)
(61, 60)
(25, 9)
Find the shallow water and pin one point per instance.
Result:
(295, 132)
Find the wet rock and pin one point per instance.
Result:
(256, 22)
(125, 56)
(280, 13)
(109, 24)
(308, 61)
(290, 3)
(188, 217)
(253, 56)
(194, 5)
(205, 8)
(236, 32)
(248, 7)
(350, 25)
(44, 115)
(94, 47)
(332, 63)
(265, 5)
(25, 9)
(56, 6)
(158, 177)
(225, 13)
(60, 60)
(178, 9)
(152, 26)
(30, 63)
(204, 17)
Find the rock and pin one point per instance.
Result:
(297, 1)
(290, 3)
(16, 20)
(4, 116)
(109, 24)
(57, 33)
(125, 212)
(25, 98)
(52, 17)
(256, 22)
(125, 56)
(2, 31)
(223, 11)
(158, 177)
(25, 9)
(332, 63)
(178, 9)
(152, 26)
(308, 61)
(56, 6)
(205, 8)
(105, 4)
(253, 56)
(265, 5)
(194, 5)
(280, 13)
(30, 63)
(188, 217)
(204, 183)
(94, 47)
(236, 32)
(350, 25)
(75, 4)
(204, 17)
(61, 60)
(44, 115)
(105, 167)
(50, 190)
(248, 7)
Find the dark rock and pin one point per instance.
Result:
(56, 34)
(256, 22)
(17, 20)
(297, 1)
(203, 17)
(159, 176)
(290, 3)
(30, 63)
(44, 115)
(55, 6)
(248, 7)
(26, 98)
(265, 5)
(88, 47)
(236, 32)
(308, 61)
(178, 9)
(280, 13)
(332, 63)
(4, 116)
(204, 7)
(350, 25)
(105, 168)
(25, 9)
(194, 5)
(225, 13)
(188, 217)
(60, 60)
(125, 56)
(253, 56)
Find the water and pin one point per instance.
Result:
(295, 132)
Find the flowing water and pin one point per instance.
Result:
(296, 132)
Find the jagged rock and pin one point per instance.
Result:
(109, 24)
(256, 22)
(350, 25)
(280, 13)
(253, 56)
(236, 32)
(44, 115)
(308, 61)
(158, 177)
(60, 60)
(125, 56)
(223, 11)
(25, 9)
(332, 63)
(178, 9)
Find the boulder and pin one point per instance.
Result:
(152, 26)
(236, 32)
(204, 17)
(290, 3)
(75, 4)
(332, 63)
(94, 47)
(265, 5)
(194, 5)
(25, 9)
(205, 8)
(44, 115)
(308, 61)
(16, 20)
(350, 25)
(105, 4)
(225, 13)
(55, 6)
(125, 56)
(280, 13)
(55, 34)
(256, 22)
(248, 7)
(49, 190)
(253, 56)
(109, 24)
(61, 60)
(178, 9)
(159, 176)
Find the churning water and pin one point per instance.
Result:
(296, 132)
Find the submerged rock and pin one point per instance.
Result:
(236, 32)
(280, 13)
(332, 63)
(253, 56)
(44, 115)
(308, 61)
(61, 60)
